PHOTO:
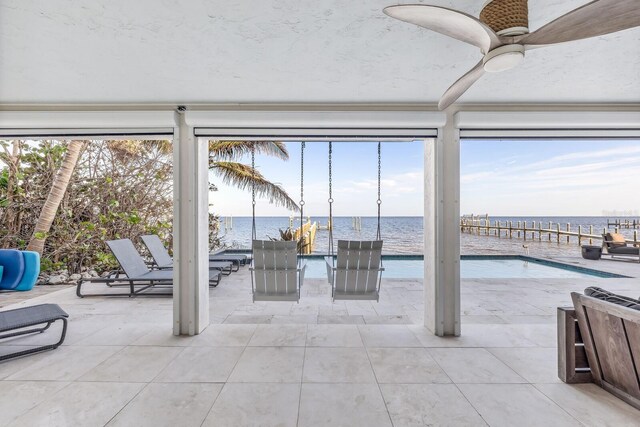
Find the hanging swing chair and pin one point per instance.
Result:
(277, 273)
(356, 272)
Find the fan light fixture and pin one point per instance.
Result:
(503, 58)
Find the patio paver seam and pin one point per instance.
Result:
(375, 376)
(304, 356)
(127, 404)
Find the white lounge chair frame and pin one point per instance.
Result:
(356, 273)
(275, 272)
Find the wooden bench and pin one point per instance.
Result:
(20, 321)
(609, 336)
(573, 366)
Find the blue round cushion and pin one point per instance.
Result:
(13, 262)
(31, 271)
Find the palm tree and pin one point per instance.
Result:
(223, 156)
(56, 193)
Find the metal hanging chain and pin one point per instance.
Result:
(253, 191)
(301, 196)
(330, 203)
(379, 201)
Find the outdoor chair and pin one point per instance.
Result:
(356, 273)
(19, 270)
(17, 322)
(31, 271)
(615, 245)
(276, 274)
(608, 334)
(162, 260)
(12, 262)
(137, 275)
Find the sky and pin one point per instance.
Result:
(354, 180)
(498, 177)
(550, 177)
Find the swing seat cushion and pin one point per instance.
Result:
(12, 262)
(31, 271)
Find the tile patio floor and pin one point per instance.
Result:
(310, 364)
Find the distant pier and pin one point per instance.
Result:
(627, 223)
(551, 232)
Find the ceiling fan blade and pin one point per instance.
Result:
(593, 19)
(449, 22)
(460, 86)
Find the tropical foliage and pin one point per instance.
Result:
(65, 198)
(118, 189)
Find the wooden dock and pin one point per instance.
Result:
(306, 235)
(293, 219)
(532, 230)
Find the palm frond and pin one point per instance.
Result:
(244, 177)
(233, 150)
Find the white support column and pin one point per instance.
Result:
(442, 231)
(190, 232)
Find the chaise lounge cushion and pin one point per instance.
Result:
(615, 240)
(624, 250)
(605, 295)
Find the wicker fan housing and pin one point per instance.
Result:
(502, 15)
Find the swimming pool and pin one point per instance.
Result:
(471, 267)
(474, 267)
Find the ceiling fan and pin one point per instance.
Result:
(502, 32)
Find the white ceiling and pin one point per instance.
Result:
(282, 51)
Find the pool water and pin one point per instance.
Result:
(475, 268)
(518, 268)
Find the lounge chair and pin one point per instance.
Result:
(19, 321)
(615, 245)
(162, 259)
(238, 260)
(275, 273)
(356, 273)
(137, 276)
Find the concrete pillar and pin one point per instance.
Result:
(442, 231)
(190, 232)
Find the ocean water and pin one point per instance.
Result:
(404, 235)
(401, 235)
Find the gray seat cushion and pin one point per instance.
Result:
(624, 250)
(605, 295)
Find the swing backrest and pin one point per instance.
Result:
(275, 270)
(358, 266)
